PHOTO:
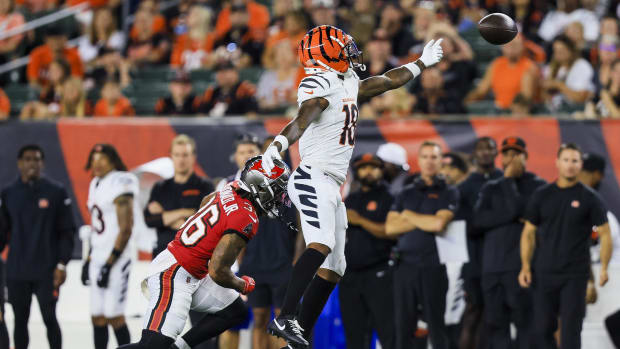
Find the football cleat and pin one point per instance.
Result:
(287, 328)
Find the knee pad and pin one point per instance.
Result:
(155, 340)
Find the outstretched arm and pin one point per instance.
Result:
(224, 256)
(397, 77)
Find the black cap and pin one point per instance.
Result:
(454, 160)
(594, 162)
(367, 159)
(514, 143)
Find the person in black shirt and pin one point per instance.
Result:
(485, 151)
(366, 288)
(181, 100)
(37, 213)
(229, 96)
(419, 213)
(499, 215)
(454, 168)
(559, 220)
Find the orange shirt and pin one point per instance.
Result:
(11, 21)
(159, 26)
(258, 22)
(185, 46)
(93, 3)
(506, 79)
(42, 56)
(122, 107)
(5, 104)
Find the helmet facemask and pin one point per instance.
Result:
(267, 192)
(353, 55)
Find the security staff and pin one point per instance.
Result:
(366, 288)
(38, 215)
(559, 220)
(419, 213)
(485, 152)
(499, 215)
(175, 199)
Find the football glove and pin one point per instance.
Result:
(85, 276)
(432, 53)
(104, 276)
(249, 284)
(270, 154)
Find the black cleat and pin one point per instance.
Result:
(287, 328)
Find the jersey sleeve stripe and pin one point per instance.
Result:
(328, 83)
(313, 80)
(308, 86)
(166, 288)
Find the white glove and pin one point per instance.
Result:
(270, 154)
(85, 232)
(432, 53)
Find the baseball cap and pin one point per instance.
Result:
(454, 160)
(594, 162)
(367, 158)
(515, 143)
(394, 154)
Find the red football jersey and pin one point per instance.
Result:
(195, 241)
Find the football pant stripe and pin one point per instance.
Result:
(166, 284)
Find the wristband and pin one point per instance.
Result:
(413, 68)
(61, 266)
(283, 141)
(116, 253)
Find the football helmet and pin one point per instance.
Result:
(266, 190)
(328, 48)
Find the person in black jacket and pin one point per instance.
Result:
(485, 151)
(366, 288)
(38, 215)
(499, 215)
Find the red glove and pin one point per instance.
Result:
(249, 284)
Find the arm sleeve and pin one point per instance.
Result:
(452, 202)
(65, 228)
(397, 204)
(532, 210)
(153, 220)
(489, 214)
(598, 211)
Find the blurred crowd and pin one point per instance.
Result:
(565, 59)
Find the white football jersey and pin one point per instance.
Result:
(328, 142)
(101, 196)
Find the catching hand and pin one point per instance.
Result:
(270, 154)
(432, 53)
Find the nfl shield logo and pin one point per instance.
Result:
(43, 203)
(575, 203)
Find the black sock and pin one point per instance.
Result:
(4, 336)
(101, 337)
(122, 335)
(212, 325)
(314, 300)
(303, 272)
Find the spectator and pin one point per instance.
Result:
(609, 26)
(10, 19)
(323, 12)
(521, 106)
(391, 21)
(574, 31)
(51, 94)
(366, 289)
(566, 12)
(36, 7)
(607, 105)
(419, 213)
(192, 50)
(277, 87)
(424, 16)
(5, 106)
(558, 223)
(156, 21)
(379, 51)
(395, 166)
(454, 168)
(435, 99)
(112, 102)
(393, 104)
(361, 21)
(181, 100)
(528, 15)
(608, 52)
(244, 24)
(498, 214)
(37, 212)
(147, 47)
(484, 170)
(508, 76)
(458, 48)
(245, 147)
(101, 48)
(294, 29)
(55, 47)
(73, 101)
(229, 96)
(568, 77)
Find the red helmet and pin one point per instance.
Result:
(265, 190)
(329, 48)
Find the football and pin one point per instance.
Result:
(497, 28)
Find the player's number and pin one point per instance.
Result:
(96, 219)
(350, 123)
(196, 227)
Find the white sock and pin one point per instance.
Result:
(181, 344)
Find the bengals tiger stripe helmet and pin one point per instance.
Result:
(328, 48)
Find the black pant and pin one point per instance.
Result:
(416, 286)
(20, 297)
(366, 304)
(556, 297)
(505, 302)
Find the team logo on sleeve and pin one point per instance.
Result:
(372, 206)
(248, 229)
(575, 204)
(44, 203)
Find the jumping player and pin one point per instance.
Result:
(325, 127)
(194, 271)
